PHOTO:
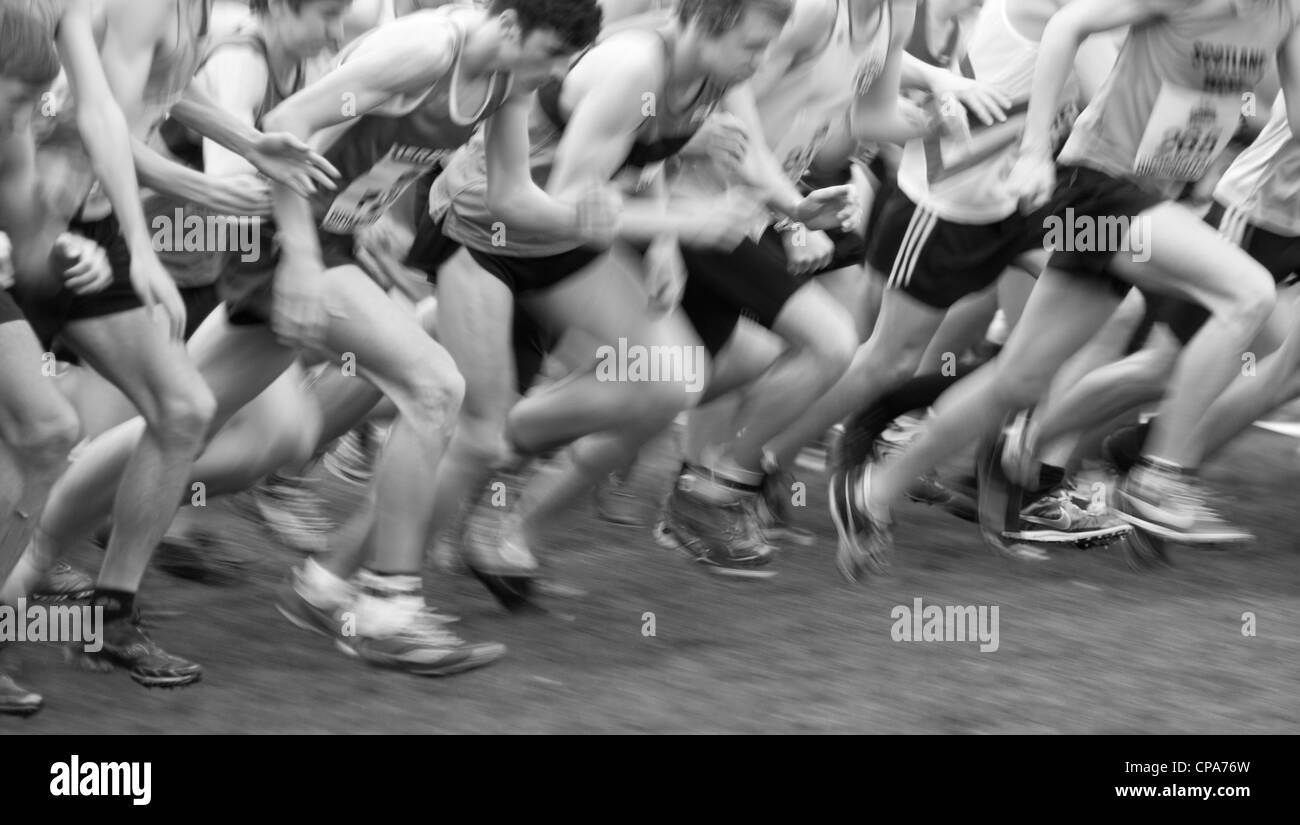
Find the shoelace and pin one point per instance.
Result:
(425, 625)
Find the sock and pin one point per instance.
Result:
(321, 587)
(1050, 477)
(117, 604)
(386, 602)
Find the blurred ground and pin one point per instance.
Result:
(1086, 645)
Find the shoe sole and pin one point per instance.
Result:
(664, 538)
(1091, 537)
(21, 710)
(99, 663)
(468, 663)
(514, 593)
(1172, 534)
(300, 622)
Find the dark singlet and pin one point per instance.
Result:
(919, 44)
(385, 153)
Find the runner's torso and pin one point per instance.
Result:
(1264, 181)
(391, 148)
(965, 183)
(461, 191)
(1174, 98)
(62, 152)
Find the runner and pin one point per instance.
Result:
(1184, 68)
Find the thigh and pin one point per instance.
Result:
(475, 315)
(28, 395)
(238, 361)
(138, 355)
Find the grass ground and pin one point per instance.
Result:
(1085, 644)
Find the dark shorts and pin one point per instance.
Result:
(531, 274)
(1279, 254)
(1100, 197)
(9, 310)
(245, 287)
(751, 281)
(199, 303)
(431, 248)
(939, 262)
(50, 314)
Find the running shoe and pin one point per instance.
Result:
(63, 583)
(126, 645)
(723, 538)
(421, 646)
(773, 509)
(1172, 505)
(352, 458)
(17, 700)
(866, 542)
(1056, 518)
(202, 557)
(295, 513)
(616, 503)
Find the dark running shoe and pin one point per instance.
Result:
(723, 538)
(865, 542)
(126, 645)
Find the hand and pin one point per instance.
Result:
(665, 274)
(298, 313)
(806, 252)
(387, 237)
(598, 216)
(723, 139)
(987, 102)
(88, 270)
(719, 224)
(286, 159)
(1032, 180)
(835, 207)
(156, 289)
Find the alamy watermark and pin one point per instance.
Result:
(183, 232)
(1117, 234)
(81, 624)
(636, 362)
(946, 623)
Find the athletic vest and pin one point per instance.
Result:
(388, 150)
(459, 196)
(1263, 183)
(919, 44)
(966, 183)
(1175, 97)
(193, 269)
(800, 110)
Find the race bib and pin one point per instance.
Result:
(369, 196)
(1187, 130)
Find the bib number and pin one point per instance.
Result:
(1187, 130)
(368, 197)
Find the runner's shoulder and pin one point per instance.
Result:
(420, 45)
(632, 56)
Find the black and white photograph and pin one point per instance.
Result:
(650, 367)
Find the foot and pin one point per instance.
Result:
(774, 512)
(295, 514)
(615, 502)
(866, 541)
(422, 646)
(723, 538)
(126, 645)
(202, 557)
(63, 583)
(352, 458)
(305, 614)
(1057, 518)
(1172, 504)
(18, 700)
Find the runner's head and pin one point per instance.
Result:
(28, 65)
(733, 35)
(305, 27)
(541, 36)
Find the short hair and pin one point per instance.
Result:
(27, 50)
(717, 17)
(577, 22)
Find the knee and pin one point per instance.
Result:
(1020, 390)
(1254, 298)
(438, 397)
(46, 442)
(834, 347)
(183, 416)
